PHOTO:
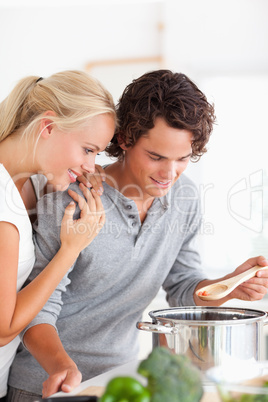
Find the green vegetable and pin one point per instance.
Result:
(171, 377)
(125, 389)
(227, 397)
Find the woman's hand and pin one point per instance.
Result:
(94, 180)
(79, 233)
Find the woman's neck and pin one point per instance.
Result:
(17, 157)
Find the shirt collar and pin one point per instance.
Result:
(111, 191)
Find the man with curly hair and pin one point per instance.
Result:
(152, 219)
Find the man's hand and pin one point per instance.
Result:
(252, 290)
(255, 288)
(65, 381)
(44, 344)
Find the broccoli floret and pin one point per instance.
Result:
(171, 377)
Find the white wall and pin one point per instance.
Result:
(199, 38)
(41, 39)
(217, 37)
(221, 45)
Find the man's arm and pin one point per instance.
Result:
(186, 272)
(44, 344)
(251, 290)
(184, 280)
(186, 277)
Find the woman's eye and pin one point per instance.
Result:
(87, 150)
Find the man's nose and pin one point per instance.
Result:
(170, 171)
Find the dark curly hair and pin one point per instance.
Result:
(171, 96)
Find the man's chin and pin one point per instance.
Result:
(159, 192)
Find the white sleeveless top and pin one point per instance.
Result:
(12, 210)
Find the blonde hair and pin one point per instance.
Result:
(73, 96)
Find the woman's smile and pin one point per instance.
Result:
(73, 175)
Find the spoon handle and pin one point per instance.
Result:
(218, 290)
(244, 276)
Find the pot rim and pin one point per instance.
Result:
(257, 315)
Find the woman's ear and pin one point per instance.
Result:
(46, 124)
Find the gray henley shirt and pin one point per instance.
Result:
(96, 306)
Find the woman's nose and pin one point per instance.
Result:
(88, 168)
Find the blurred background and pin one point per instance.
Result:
(221, 45)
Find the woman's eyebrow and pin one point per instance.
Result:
(88, 144)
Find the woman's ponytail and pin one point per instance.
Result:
(14, 110)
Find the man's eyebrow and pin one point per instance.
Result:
(186, 156)
(164, 157)
(156, 154)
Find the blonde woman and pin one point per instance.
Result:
(52, 126)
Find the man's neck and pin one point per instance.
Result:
(117, 177)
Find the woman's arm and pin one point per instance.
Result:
(18, 309)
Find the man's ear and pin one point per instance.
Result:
(123, 146)
(46, 124)
(121, 142)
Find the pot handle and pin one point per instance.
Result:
(265, 321)
(157, 328)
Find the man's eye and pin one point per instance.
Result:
(184, 159)
(155, 158)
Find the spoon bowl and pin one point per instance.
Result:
(218, 290)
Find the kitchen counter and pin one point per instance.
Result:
(95, 385)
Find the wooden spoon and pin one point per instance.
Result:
(221, 289)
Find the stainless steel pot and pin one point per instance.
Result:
(209, 336)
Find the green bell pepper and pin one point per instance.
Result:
(125, 389)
